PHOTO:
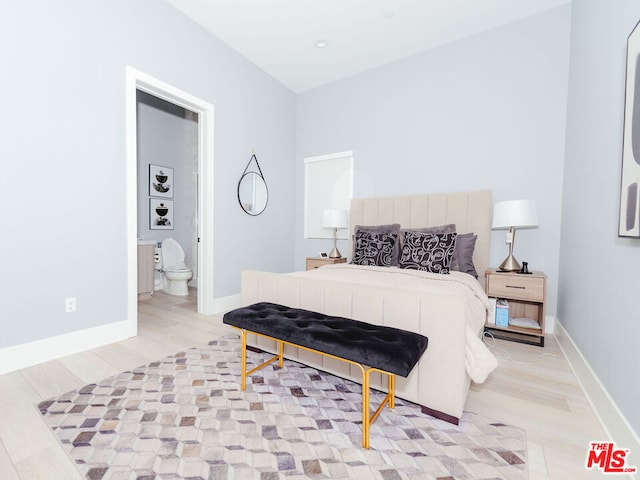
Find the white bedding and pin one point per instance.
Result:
(479, 361)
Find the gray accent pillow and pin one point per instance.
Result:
(431, 252)
(379, 229)
(374, 248)
(448, 228)
(463, 255)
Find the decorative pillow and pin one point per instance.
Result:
(374, 248)
(428, 251)
(379, 229)
(448, 228)
(462, 260)
(390, 228)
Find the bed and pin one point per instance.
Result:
(449, 309)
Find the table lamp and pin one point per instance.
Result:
(509, 216)
(335, 218)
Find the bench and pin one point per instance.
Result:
(372, 348)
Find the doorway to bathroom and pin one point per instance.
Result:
(169, 134)
(167, 187)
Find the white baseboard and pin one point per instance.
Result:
(224, 304)
(549, 323)
(613, 421)
(27, 354)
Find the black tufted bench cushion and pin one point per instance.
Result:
(385, 348)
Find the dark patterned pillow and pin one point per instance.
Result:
(374, 248)
(448, 228)
(378, 229)
(428, 251)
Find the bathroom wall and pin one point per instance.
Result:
(165, 138)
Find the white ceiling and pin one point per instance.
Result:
(279, 35)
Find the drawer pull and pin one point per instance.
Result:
(516, 286)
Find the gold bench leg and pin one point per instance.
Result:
(367, 419)
(389, 400)
(243, 360)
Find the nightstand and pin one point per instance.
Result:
(526, 295)
(317, 262)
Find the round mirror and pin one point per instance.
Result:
(253, 193)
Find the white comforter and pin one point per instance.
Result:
(479, 361)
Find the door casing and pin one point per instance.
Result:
(137, 80)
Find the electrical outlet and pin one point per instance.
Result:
(508, 238)
(70, 305)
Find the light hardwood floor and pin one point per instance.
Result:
(540, 395)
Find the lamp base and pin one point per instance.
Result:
(510, 264)
(335, 253)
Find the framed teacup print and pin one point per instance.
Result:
(160, 181)
(160, 214)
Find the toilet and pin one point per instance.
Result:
(176, 273)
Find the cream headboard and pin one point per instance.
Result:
(470, 211)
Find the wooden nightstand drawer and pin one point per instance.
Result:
(521, 287)
(526, 297)
(317, 262)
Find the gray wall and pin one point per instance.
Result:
(487, 112)
(63, 154)
(599, 286)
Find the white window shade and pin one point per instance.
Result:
(328, 185)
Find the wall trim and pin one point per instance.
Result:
(29, 354)
(224, 304)
(137, 80)
(549, 324)
(33, 353)
(613, 421)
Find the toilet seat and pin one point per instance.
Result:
(177, 269)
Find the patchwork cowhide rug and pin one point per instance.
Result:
(185, 417)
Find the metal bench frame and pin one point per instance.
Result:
(367, 419)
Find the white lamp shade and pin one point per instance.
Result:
(335, 218)
(515, 213)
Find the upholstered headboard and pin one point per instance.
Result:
(470, 211)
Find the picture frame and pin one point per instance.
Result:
(629, 221)
(160, 181)
(160, 214)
